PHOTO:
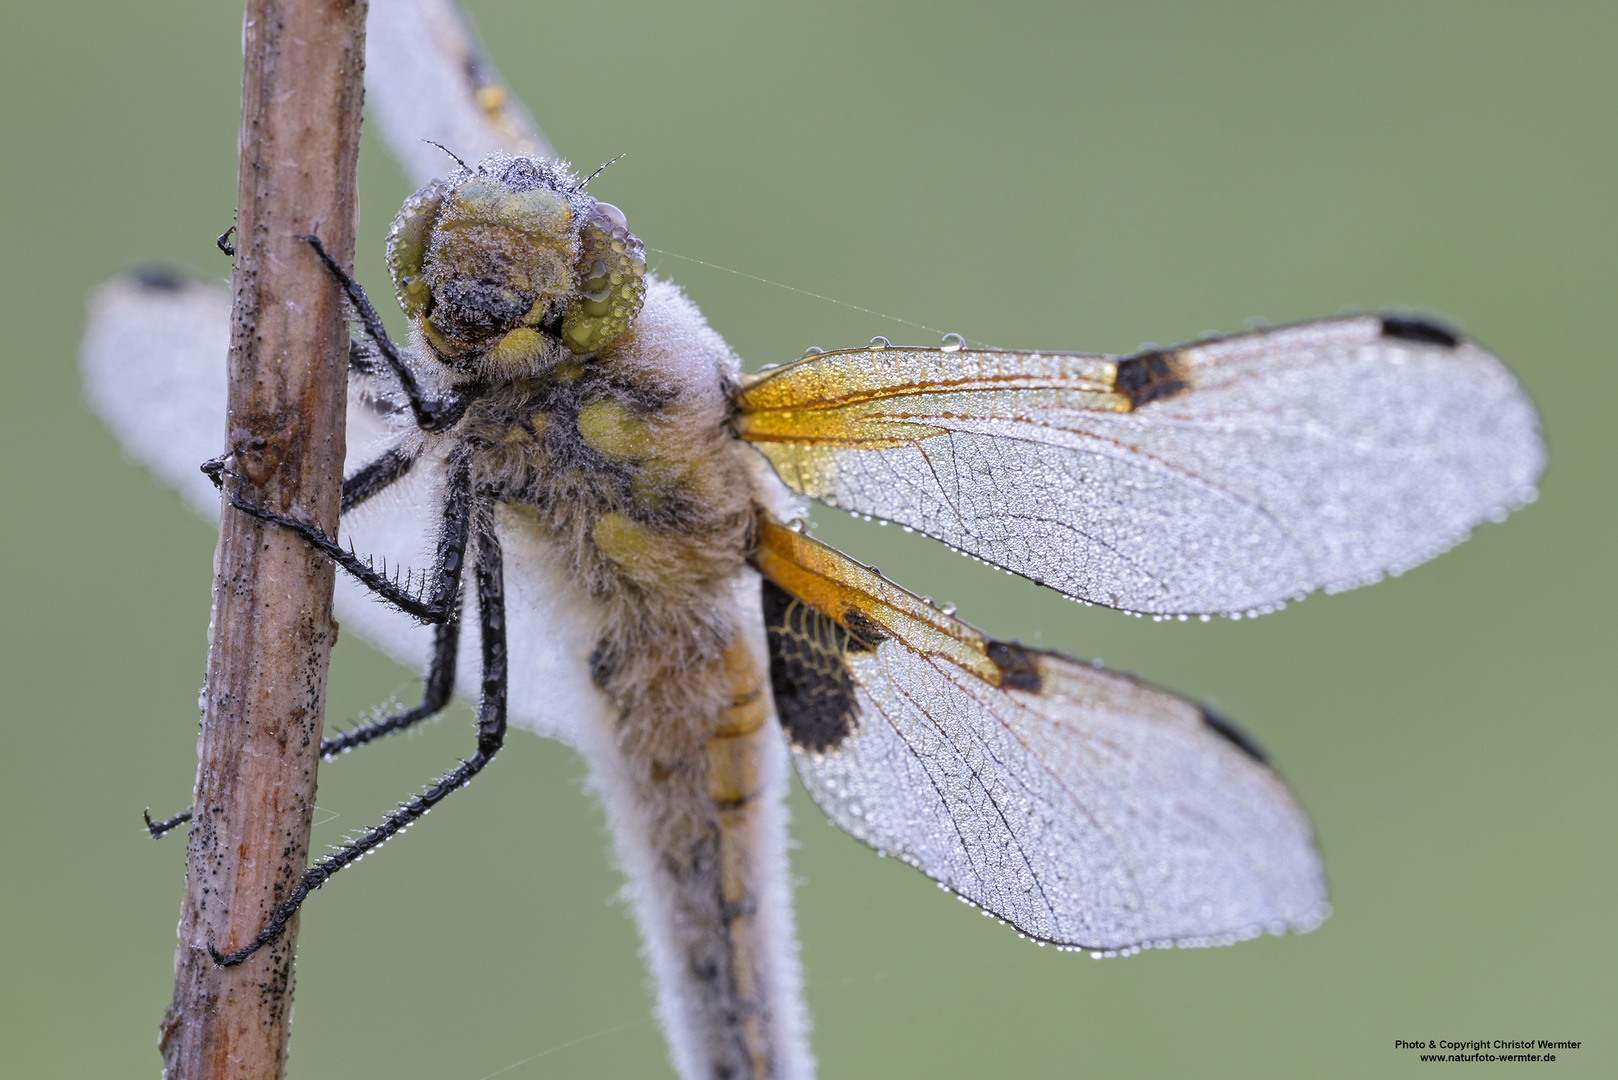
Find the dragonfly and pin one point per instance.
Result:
(643, 585)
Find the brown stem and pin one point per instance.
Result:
(272, 630)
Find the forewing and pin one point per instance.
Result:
(427, 78)
(1081, 806)
(1229, 475)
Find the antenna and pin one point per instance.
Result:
(580, 186)
(448, 151)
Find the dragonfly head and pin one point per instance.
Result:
(507, 263)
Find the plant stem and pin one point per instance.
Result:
(271, 632)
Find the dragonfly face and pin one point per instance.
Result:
(500, 264)
(661, 617)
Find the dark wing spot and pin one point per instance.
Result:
(1019, 666)
(864, 635)
(814, 691)
(1238, 738)
(1149, 376)
(1428, 333)
(159, 278)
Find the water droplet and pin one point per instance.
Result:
(954, 342)
(948, 608)
(813, 350)
(880, 342)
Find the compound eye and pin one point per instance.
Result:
(407, 247)
(612, 282)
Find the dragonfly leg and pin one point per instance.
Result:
(434, 600)
(374, 476)
(491, 732)
(440, 687)
(432, 414)
(439, 606)
(159, 829)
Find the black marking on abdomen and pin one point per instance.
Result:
(809, 676)
(1422, 330)
(1019, 666)
(1149, 376)
(1234, 735)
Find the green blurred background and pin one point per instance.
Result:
(1032, 176)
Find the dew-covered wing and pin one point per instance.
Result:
(1080, 805)
(427, 78)
(1228, 475)
(153, 360)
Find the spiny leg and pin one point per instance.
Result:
(436, 602)
(371, 479)
(491, 730)
(376, 475)
(440, 687)
(159, 828)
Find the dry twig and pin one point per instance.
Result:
(272, 631)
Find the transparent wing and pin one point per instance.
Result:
(1224, 476)
(1082, 806)
(426, 77)
(153, 360)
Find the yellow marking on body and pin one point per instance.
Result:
(437, 340)
(517, 349)
(732, 750)
(623, 541)
(735, 749)
(732, 769)
(835, 585)
(539, 212)
(475, 200)
(613, 430)
(658, 481)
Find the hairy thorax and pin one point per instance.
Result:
(625, 461)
